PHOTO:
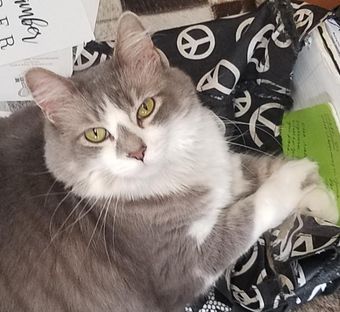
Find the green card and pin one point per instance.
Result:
(313, 132)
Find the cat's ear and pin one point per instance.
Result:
(49, 90)
(134, 45)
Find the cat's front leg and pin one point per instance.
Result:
(240, 225)
(282, 193)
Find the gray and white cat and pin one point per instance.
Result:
(123, 195)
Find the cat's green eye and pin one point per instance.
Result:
(96, 135)
(146, 109)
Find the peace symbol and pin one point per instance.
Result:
(188, 46)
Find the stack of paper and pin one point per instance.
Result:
(317, 71)
(40, 33)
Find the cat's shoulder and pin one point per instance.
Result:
(20, 125)
(22, 139)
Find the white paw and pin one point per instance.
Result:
(320, 202)
(281, 194)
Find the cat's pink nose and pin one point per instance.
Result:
(139, 155)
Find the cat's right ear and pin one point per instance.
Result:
(49, 90)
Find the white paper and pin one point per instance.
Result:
(13, 87)
(91, 8)
(4, 114)
(316, 79)
(4, 109)
(333, 30)
(29, 28)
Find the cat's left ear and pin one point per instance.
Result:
(49, 90)
(134, 45)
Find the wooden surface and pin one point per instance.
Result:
(328, 4)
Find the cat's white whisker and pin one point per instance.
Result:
(49, 194)
(113, 224)
(49, 190)
(108, 206)
(238, 128)
(95, 228)
(55, 211)
(242, 133)
(67, 218)
(83, 215)
(38, 173)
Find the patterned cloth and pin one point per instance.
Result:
(290, 265)
(287, 267)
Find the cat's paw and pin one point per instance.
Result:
(319, 202)
(295, 179)
(282, 192)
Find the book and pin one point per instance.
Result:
(313, 132)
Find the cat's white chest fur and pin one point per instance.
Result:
(219, 179)
(218, 199)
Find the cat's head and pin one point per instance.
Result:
(131, 127)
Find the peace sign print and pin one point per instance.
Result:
(196, 42)
(242, 104)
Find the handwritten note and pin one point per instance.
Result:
(29, 28)
(313, 132)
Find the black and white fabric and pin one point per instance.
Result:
(242, 68)
(93, 54)
(236, 65)
(289, 266)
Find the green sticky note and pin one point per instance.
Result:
(313, 132)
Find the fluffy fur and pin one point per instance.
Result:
(85, 227)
